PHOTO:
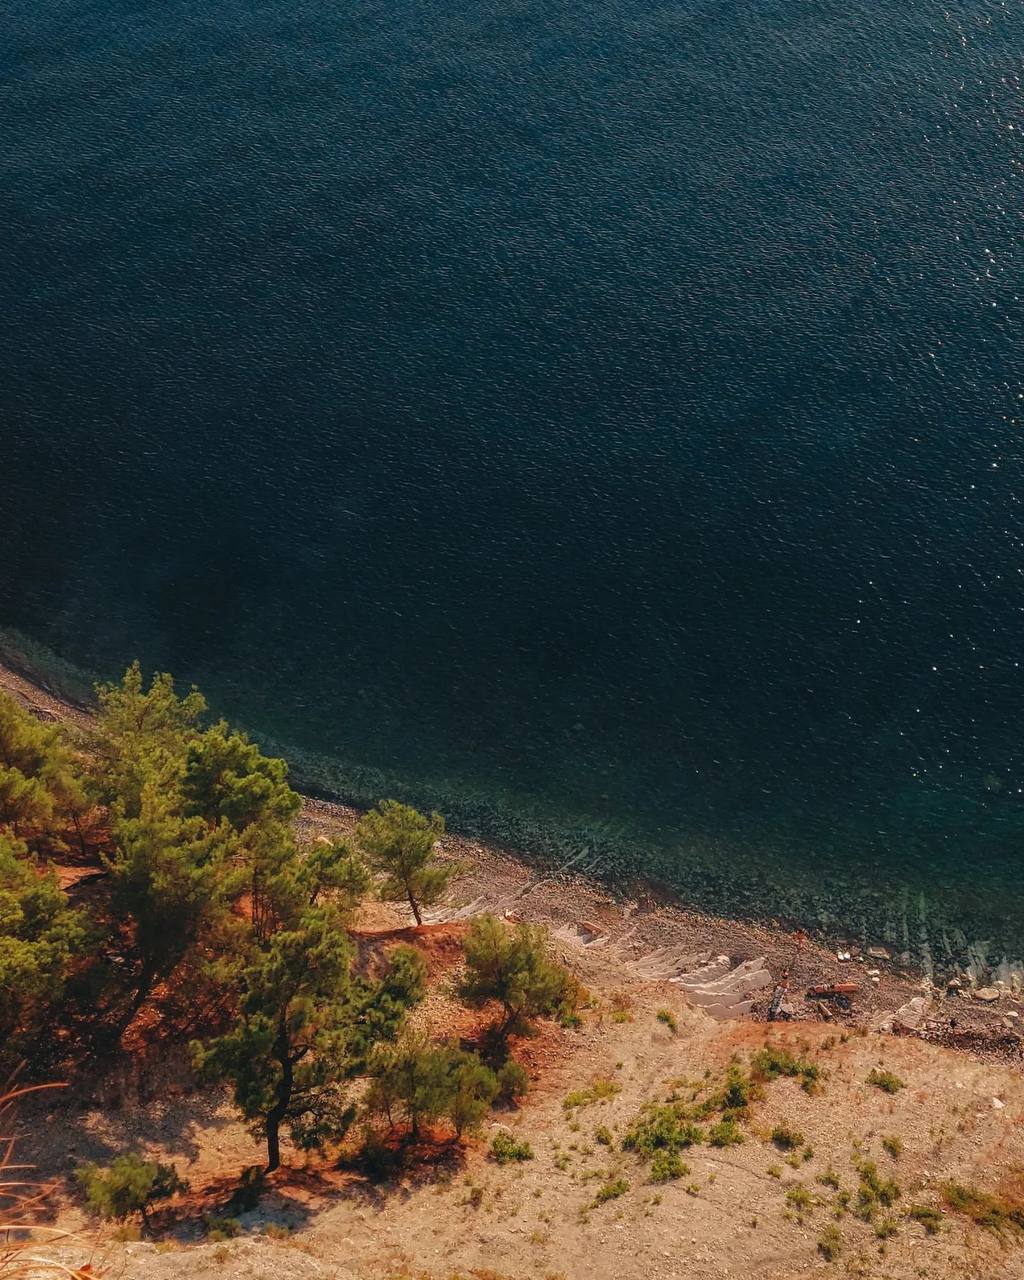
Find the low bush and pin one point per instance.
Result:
(771, 1062)
(599, 1090)
(725, 1134)
(928, 1217)
(799, 1198)
(787, 1138)
(874, 1191)
(505, 1149)
(513, 1081)
(885, 1080)
(668, 1165)
(668, 1018)
(663, 1128)
(992, 1212)
(830, 1243)
(611, 1190)
(130, 1185)
(219, 1228)
(734, 1095)
(251, 1186)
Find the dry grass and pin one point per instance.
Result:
(26, 1244)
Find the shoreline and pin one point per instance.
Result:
(636, 917)
(816, 885)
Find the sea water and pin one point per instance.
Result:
(600, 421)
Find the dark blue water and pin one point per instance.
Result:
(601, 420)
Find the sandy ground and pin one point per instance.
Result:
(957, 1118)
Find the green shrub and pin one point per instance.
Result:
(668, 1165)
(603, 1135)
(989, 1211)
(885, 1080)
(599, 1090)
(423, 1082)
(893, 1146)
(884, 1190)
(799, 1198)
(829, 1178)
(251, 1187)
(505, 1148)
(130, 1185)
(734, 1095)
(929, 1218)
(668, 1018)
(662, 1128)
(787, 1138)
(218, 1228)
(611, 1190)
(874, 1191)
(513, 1081)
(771, 1062)
(830, 1243)
(377, 1159)
(725, 1134)
(886, 1228)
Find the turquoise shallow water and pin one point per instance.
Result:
(602, 422)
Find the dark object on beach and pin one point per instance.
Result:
(779, 1010)
(839, 993)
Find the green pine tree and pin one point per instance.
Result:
(40, 936)
(130, 1185)
(171, 880)
(401, 843)
(227, 778)
(514, 968)
(306, 1022)
(141, 737)
(40, 780)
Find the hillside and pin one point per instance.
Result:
(754, 1210)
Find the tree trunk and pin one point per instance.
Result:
(143, 986)
(284, 1096)
(415, 907)
(147, 979)
(273, 1144)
